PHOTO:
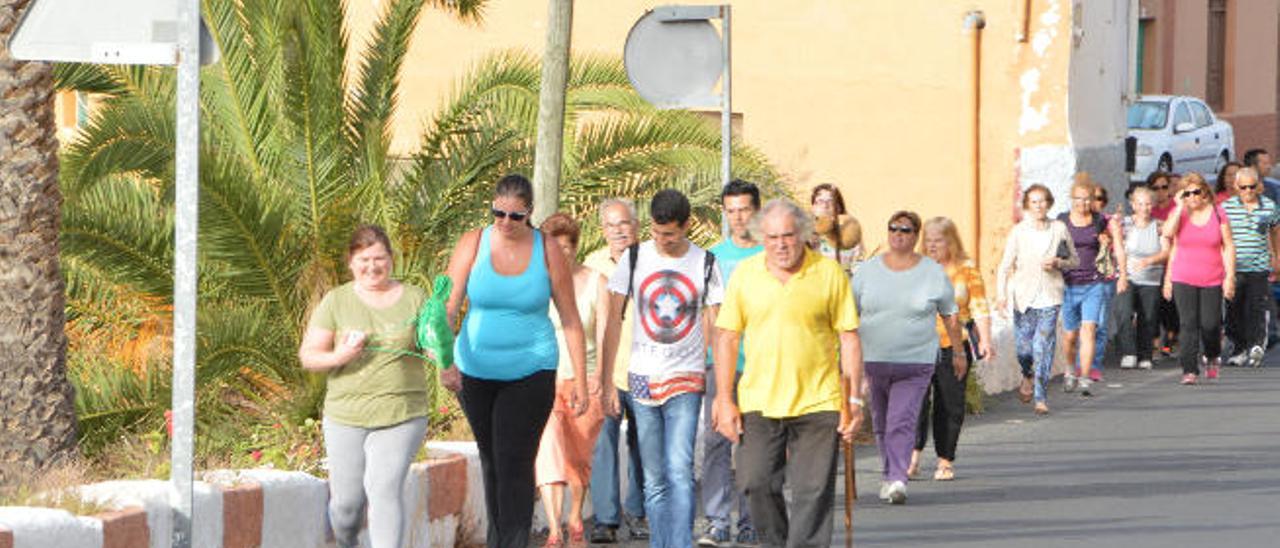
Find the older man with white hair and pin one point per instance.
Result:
(794, 307)
(1255, 229)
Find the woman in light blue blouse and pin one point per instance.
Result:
(900, 295)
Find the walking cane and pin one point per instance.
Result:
(850, 479)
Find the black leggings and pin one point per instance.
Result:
(507, 418)
(1199, 312)
(1137, 323)
(947, 410)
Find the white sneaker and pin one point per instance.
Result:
(897, 493)
(1255, 356)
(1238, 360)
(1069, 382)
(884, 490)
(1128, 362)
(1144, 364)
(1086, 386)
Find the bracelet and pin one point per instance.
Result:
(854, 400)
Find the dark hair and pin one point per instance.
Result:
(836, 197)
(515, 185)
(1221, 184)
(1106, 196)
(1251, 157)
(1026, 194)
(1156, 176)
(910, 216)
(738, 187)
(366, 236)
(669, 205)
(561, 224)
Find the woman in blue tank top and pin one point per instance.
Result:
(506, 351)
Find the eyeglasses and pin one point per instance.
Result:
(1159, 187)
(1247, 187)
(902, 229)
(516, 216)
(1192, 192)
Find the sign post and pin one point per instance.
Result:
(158, 32)
(674, 57)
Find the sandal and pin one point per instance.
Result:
(1025, 391)
(1042, 408)
(554, 542)
(577, 536)
(944, 473)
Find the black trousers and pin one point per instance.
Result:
(1200, 316)
(1136, 312)
(1169, 316)
(946, 408)
(507, 418)
(801, 452)
(1247, 313)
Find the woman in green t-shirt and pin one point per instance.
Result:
(375, 408)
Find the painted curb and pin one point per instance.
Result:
(125, 528)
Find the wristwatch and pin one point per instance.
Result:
(854, 400)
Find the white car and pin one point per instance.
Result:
(1178, 134)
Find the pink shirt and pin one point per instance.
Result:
(1198, 259)
(1162, 213)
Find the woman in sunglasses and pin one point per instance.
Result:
(1201, 273)
(1253, 232)
(507, 353)
(900, 294)
(1030, 279)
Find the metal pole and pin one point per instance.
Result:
(547, 159)
(186, 175)
(726, 114)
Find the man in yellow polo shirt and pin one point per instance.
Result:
(796, 308)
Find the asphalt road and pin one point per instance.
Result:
(1146, 462)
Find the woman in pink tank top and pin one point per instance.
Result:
(1201, 273)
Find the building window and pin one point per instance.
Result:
(1215, 79)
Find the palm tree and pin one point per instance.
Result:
(294, 154)
(36, 399)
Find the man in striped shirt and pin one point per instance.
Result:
(1255, 229)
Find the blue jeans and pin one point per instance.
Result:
(1100, 343)
(719, 493)
(604, 469)
(1036, 335)
(667, 435)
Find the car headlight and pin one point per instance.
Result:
(1144, 150)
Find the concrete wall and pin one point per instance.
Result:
(253, 508)
(1099, 76)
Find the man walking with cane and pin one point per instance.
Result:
(793, 307)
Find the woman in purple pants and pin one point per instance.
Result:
(900, 295)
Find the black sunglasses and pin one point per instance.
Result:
(902, 229)
(1159, 187)
(1192, 192)
(1247, 187)
(513, 215)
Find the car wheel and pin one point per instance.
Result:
(1165, 164)
(1222, 162)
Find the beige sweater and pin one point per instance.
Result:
(1021, 278)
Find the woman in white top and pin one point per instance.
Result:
(1030, 279)
(1147, 253)
(568, 441)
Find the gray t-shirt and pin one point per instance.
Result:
(899, 310)
(1140, 243)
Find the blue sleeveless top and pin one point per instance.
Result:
(507, 334)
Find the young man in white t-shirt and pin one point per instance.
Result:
(673, 293)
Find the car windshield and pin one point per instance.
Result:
(1148, 115)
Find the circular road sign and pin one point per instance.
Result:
(673, 63)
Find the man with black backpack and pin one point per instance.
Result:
(676, 288)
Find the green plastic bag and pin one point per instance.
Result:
(435, 337)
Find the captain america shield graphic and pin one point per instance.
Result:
(669, 306)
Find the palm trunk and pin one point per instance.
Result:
(37, 403)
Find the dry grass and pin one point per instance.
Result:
(54, 487)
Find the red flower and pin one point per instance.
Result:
(444, 410)
(168, 421)
(256, 455)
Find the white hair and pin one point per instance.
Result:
(804, 222)
(610, 202)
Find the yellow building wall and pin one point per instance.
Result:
(873, 95)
